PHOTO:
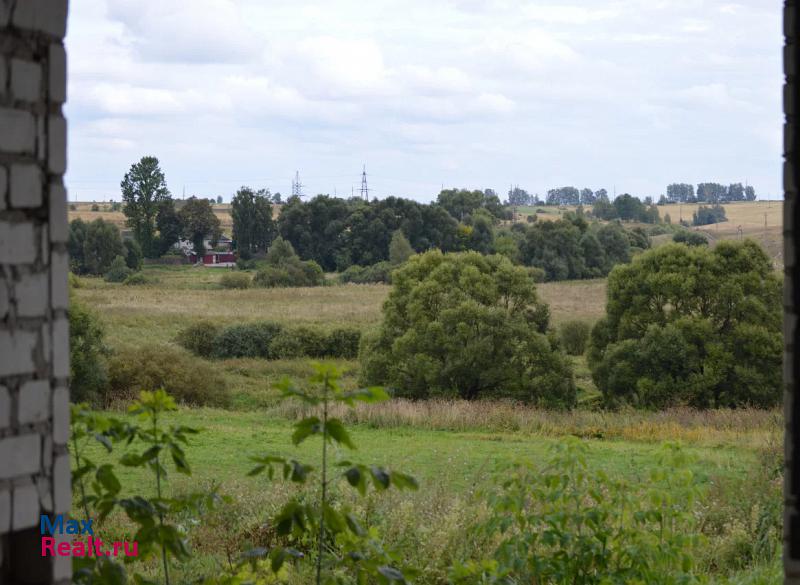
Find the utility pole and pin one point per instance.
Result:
(364, 189)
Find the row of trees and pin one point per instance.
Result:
(707, 193)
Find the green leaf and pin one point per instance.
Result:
(299, 471)
(403, 481)
(392, 574)
(105, 475)
(338, 433)
(380, 477)
(305, 428)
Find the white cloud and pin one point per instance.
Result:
(467, 92)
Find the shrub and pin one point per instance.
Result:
(562, 522)
(400, 249)
(236, 280)
(133, 254)
(88, 370)
(101, 245)
(118, 271)
(199, 338)
(187, 378)
(137, 279)
(690, 238)
(466, 325)
(691, 326)
(299, 342)
(574, 335)
(537, 274)
(245, 263)
(95, 207)
(343, 343)
(374, 274)
(246, 340)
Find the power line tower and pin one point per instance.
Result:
(297, 186)
(364, 188)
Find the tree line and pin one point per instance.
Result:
(339, 233)
(707, 193)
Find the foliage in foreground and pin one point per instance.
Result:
(345, 548)
(466, 325)
(564, 523)
(691, 326)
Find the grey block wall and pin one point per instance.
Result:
(34, 335)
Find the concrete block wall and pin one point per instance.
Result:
(34, 329)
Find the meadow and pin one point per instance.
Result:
(454, 448)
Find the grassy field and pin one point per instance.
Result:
(454, 448)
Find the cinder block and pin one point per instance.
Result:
(21, 455)
(25, 511)
(32, 292)
(57, 145)
(48, 16)
(5, 407)
(17, 349)
(61, 348)
(59, 228)
(25, 186)
(5, 12)
(33, 402)
(59, 267)
(18, 243)
(62, 490)
(45, 495)
(61, 416)
(57, 82)
(19, 131)
(5, 511)
(26, 80)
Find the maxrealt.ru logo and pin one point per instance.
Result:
(77, 547)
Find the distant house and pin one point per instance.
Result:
(216, 259)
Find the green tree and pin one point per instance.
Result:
(133, 255)
(143, 188)
(253, 226)
(118, 271)
(101, 245)
(77, 237)
(691, 326)
(199, 222)
(400, 249)
(169, 226)
(466, 325)
(88, 370)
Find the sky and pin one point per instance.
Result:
(626, 95)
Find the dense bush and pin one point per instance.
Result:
(285, 269)
(187, 378)
(691, 326)
(246, 340)
(137, 279)
(237, 280)
(374, 274)
(93, 246)
(690, 238)
(299, 342)
(466, 325)
(199, 338)
(133, 254)
(118, 271)
(88, 371)
(574, 336)
(343, 343)
(245, 263)
(268, 340)
(708, 214)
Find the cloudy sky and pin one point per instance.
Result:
(627, 95)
